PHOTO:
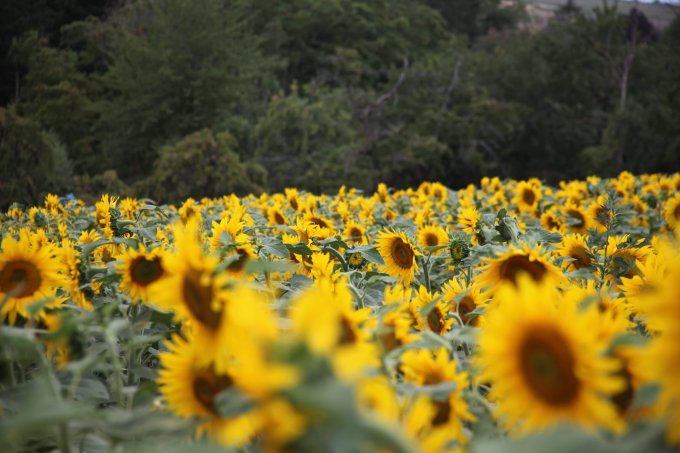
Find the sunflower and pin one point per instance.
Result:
(228, 236)
(334, 329)
(104, 209)
(190, 387)
(660, 356)
(624, 256)
(577, 219)
(376, 395)
(189, 210)
(215, 307)
(550, 220)
(424, 367)
(326, 228)
(509, 266)
(276, 216)
(432, 236)
(70, 267)
(399, 255)
(468, 218)
(469, 299)
(139, 270)
(437, 318)
(671, 211)
(355, 233)
(527, 196)
(575, 248)
(545, 361)
(28, 274)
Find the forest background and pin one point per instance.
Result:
(177, 98)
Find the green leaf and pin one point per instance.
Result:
(265, 266)
(231, 403)
(299, 248)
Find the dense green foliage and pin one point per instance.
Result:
(322, 92)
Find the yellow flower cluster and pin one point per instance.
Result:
(409, 318)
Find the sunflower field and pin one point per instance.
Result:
(507, 316)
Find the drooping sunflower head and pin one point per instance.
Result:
(139, 270)
(545, 361)
(399, 255)
(28, 274)
(508, 268)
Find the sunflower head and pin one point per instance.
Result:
(432, 236)
(545, 360)
(399, 255)
(508, 268)
(459, 249)
(28, 274)
(139, 270)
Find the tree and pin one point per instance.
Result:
(202, 164)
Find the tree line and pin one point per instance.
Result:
(176, 98)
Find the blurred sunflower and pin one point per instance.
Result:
(469, 299)
(527, 196)
(28, 274)
(508, 267)
(671, 211)
(575, 248)
(190, 387)
(432, 236)
(545, 361)
(355, 233)
(399, 255)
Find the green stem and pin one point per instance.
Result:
(426, 273)
(338, 255)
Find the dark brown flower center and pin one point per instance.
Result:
(465, 306)
(20, 278)
(207, 385)
(513, 266)
(624, 399)
(198, 296)
(278, 218)
(581, 258)
(576, 215)
(319, 222)
(402, 253)
(676, 212)
(547, 366)
(145, 271)
(435, 321)
(552, 223)
(528, 196)
(431, 239)
(240, 263)
(355, 233)
(347, 332)
(443, 413)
